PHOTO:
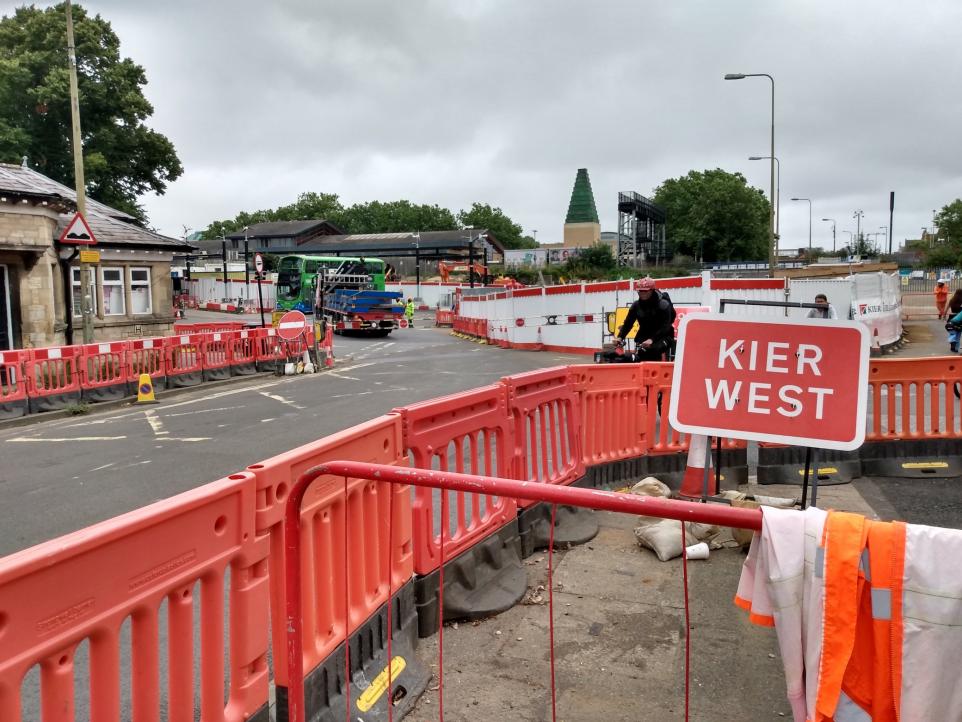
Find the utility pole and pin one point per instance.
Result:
(86, 298)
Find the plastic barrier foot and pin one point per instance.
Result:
(13, 409)
(53, 402)
(180, 381)
(917, 459)
(573, 526)
(324, 685)
(786, 465)
(105, 393)
(486, 579)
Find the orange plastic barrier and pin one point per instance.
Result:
(53, 377)
(84, 586)
(614, 411)
(323, 515)
(215, 355)
(146, 356)
(546, 410)
(469, 432)
(184, 358)
(103, 371)
(914, 399)
(13, 386)
(443, 317)
(209, 327)
(243, 353)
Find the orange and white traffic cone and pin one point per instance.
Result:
(693, 482)
(539, 344)
(329, 348)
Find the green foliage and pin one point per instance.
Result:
(716, 216)
(481, 215)
(380, 217)
(123, 158)
(593, 262)
(948, 252)
(78, 409)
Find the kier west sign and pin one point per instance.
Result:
(791, 382)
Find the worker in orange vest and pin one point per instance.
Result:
(941, 297)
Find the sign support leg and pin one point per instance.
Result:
(808, 464)
(718, 467)
(704, 488)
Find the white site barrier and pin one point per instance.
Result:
(570, 318)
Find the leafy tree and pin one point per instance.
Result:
(123, 158)
(947, 253)
(397, 217)
(528, 242)
(716, 216)
(504, 229)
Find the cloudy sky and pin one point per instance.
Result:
(500, 101)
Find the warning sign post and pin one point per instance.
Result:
(801, 383)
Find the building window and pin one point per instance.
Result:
(140, 290)
(77, 307)
(112, 280)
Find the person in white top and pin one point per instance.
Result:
(824, 310)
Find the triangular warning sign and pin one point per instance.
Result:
(78, 232)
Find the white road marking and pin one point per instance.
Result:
(280, 398)
(184, 438)
(155, 424)
(202, 411)
(101, 468)
(76, 438)
(345, 378)
(266, 421)
(355, 367)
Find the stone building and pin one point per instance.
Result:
(40, 278)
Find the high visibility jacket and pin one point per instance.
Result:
(880, 622)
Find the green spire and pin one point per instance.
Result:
(582, 207)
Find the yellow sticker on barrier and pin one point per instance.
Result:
(822, 470)
(925, 465)
(372, 694)
(617, 318)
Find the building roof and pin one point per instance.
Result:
(582, 208)
(400, 243)
(282, 229)
(109, 225)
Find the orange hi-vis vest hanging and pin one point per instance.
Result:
(883, 606)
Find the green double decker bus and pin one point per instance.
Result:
(297, 276)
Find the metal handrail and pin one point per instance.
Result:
(492, 486)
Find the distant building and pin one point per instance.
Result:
(581, 224)
(40, 278)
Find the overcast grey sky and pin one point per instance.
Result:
(500, 101)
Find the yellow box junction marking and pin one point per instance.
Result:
(372, 694)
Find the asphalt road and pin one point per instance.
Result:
(62, 475)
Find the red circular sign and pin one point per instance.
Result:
(403, 323)
(258, 263)
(291, 325)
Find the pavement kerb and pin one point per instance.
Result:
(100, 407)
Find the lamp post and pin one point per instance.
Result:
(223, 253)
(417, 263)
(858, 221)
(809, 223)
(771, 214)
(778, 199)
(832, 221)
(470, 255)
(885, 234)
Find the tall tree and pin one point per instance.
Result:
(123, 158)
(397, 217)
(716, 216)
(948, 251)
(482, 215)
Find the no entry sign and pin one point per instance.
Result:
(291, 325)
(790, 382)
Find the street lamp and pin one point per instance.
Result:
(778, 199)
(858, 218)
(417, 263)
(470, 255)
(832, 221)
(771, 214)
(809, 223)
(885, 234)
(851, 242)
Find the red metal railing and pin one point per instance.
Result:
(466, 483)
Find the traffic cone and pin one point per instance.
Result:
(145, 390)
(539, 344)
(329, 348)
(693, 482)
